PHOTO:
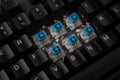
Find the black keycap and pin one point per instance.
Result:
(23, 43)
(76, 58)
(9, 4)
(89, 6)
(3, 75)
(100, 67)
(104, 19)
(40, 76)
(104, 2)
(93, 48)
(5, 30)
(21, 21)
(109, 38)
(116, 9)
(118, 28)
(5, 53)
(20, 68)
(59, 69)
(38, 12)
(55, 4)
(38, 57)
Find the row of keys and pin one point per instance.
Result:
(20, 69)
(21, 20)
(41, 76)
(37, 12)
(39, 58)
(91, 6)
(23, 43)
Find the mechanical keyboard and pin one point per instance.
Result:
(59, 39)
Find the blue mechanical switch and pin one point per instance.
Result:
(57, 30)
(73, 21)
(88, 30)
(41, 39)
(56, 52)
(74, 18)
(41, 36)
(87, 33)
(57, 27)
(56, 49)
(72, 40)
(71, 43)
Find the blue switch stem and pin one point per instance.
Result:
(72, 40)
(88, 30)
(41, 36)
(73, 18)
(57, 27)
(56, 49)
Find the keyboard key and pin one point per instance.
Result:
(5, 53)
(89, 6)
(87, 33)
(104, 19)
(20, 68)
(109, 38)
(38, 57)
(56, 52)
(116, 9)
(55, 4)
(76, 58)
(40, 76)
(38, 12)
(72, 42)
(73, 21)
(57, 29)
(8, 4)
(23, 43)
(59, 69)
(5, 30)
(3, 75)
(104, 2)
(21, 21)
(93, 48)
(41, 38)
